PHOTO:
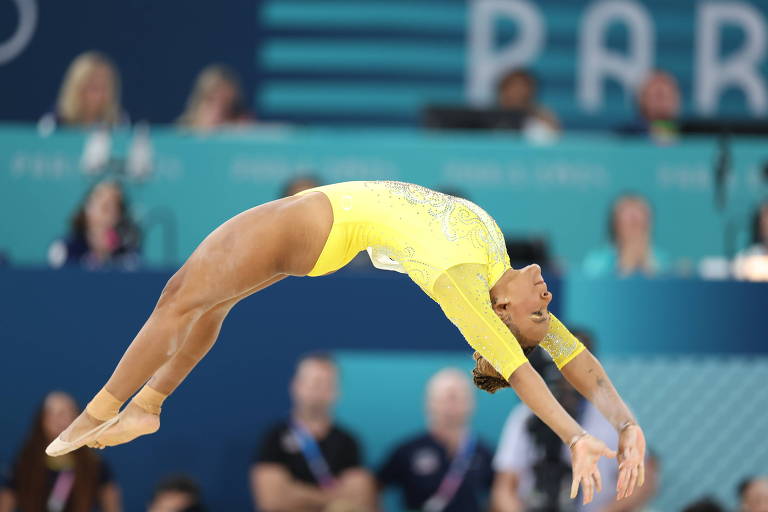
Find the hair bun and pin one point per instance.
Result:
(485, 376)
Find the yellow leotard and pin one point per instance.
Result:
(450, 247)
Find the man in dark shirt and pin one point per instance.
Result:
(446, 469)
(307, 463)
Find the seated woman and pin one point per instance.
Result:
(102, 233)
(631, 251)
(216, 101)
(77, 482)
(89, 95)
(450, 247)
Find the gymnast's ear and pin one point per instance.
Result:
(485, 376)
(499, 304)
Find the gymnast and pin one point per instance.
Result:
(451, 248)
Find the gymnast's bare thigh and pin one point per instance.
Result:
(282, 237)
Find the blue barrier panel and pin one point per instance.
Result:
(637, 316)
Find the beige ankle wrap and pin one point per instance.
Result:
(103, 406)
(150, 400)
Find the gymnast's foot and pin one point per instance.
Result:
(132, 422)
(80, 432)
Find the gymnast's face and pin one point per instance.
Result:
(521, 299)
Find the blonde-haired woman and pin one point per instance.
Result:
(89, 94)
(216, 100)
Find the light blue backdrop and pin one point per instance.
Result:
(562, 192)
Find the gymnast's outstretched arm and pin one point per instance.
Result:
(464, 298)
(585, 449)
(586, 374)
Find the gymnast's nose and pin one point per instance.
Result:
(546, 295)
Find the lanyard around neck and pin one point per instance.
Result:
(318, 466)
(455, 476)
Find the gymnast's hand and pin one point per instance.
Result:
(631, 460)
(585, 452)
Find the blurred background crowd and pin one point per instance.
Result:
(620, 144)
(308, 461)
(103, 232)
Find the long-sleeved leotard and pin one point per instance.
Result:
(450, 247)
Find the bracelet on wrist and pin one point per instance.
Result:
(624, 426)
(575, 439)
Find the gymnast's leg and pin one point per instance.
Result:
(277, 238)
(142, 415)
(197, 345)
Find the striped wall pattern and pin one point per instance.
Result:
(380, 61)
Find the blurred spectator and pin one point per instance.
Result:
(447, 468)
(177, 494)
(753, 495)
(308, 463)
(216, 101)
(751, 264)
(89, 95)
(517, 90)
(658, 98)
(704, 505)
(630, 229)
(299, 184)
(658, 107)
(102, 233)
(76, 482)
(533, 466)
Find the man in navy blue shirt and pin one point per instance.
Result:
(447, 468)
